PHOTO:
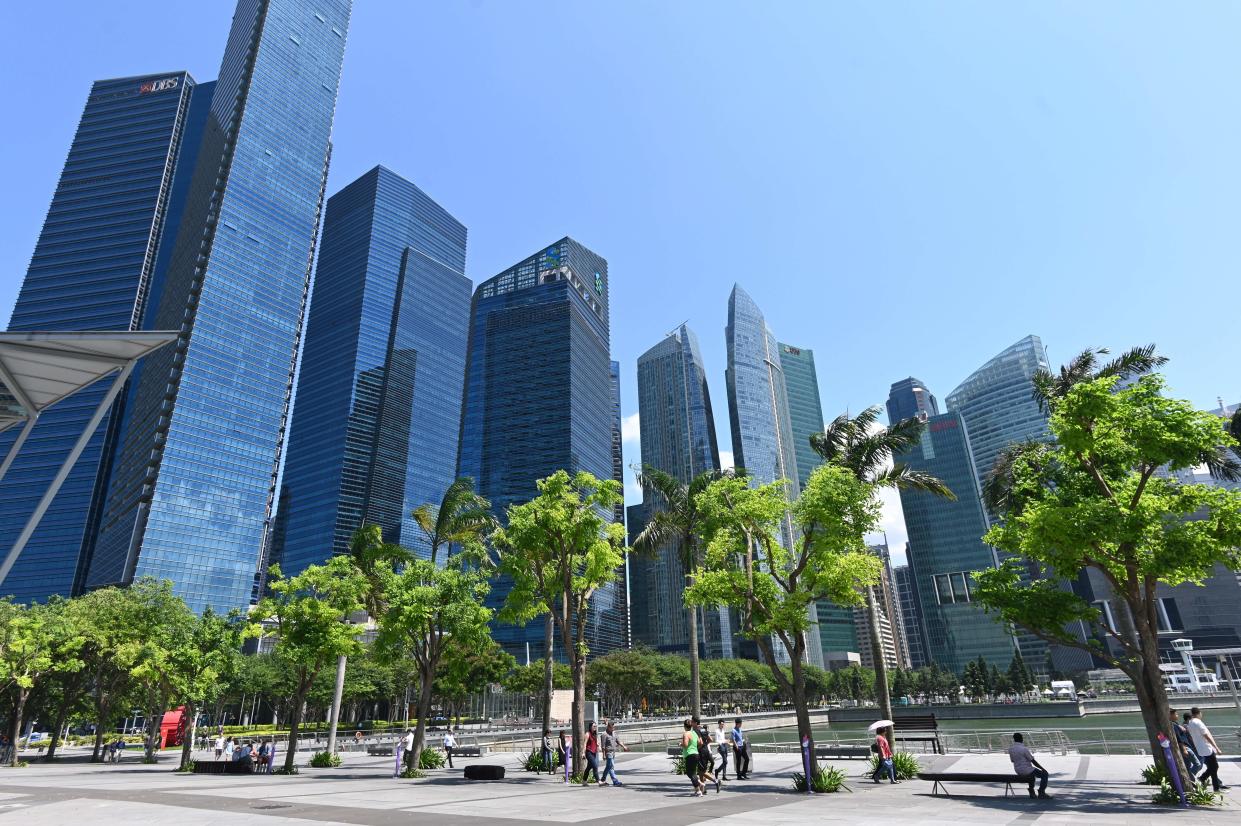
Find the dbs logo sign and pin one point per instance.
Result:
(157, 85)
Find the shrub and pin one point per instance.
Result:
(410, 773)
(187, 768)
(1166, 794)
(906, 765)
(283, 770)
(431, 759)
(1154, 775)
(1200, 794)
(534, 761)
(678, 765)
(823, 780)
(324, 760)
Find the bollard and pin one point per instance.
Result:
(806, 761)
(1172, 771)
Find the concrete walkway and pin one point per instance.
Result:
(1088, 789)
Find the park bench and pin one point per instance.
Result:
(841, 751)
(379, 751)
(940, 778)
(918, 728)
(224, 767)
(467, 751)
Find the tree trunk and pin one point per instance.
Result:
(15, 727)
(155, 719)
(695, 682)
(187, 742)
(295, 721)
(1153, 697)
(549, 636)
(801, 707)
(426, 678)
(62, 715)
(579, 713)
(882, 693)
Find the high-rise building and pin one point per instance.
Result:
(96, 266)
(378, 406)
(888, 614)
(911, 614)
(758, 412)
(678, 437)
(191, 494)
(946, 547)
(618, 476)
(909, 399)
(538, 399)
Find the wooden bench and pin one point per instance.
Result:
(467, 751)
(842, 751)
(918, 728)
(223, 767)
(940, 778)
(379, 751)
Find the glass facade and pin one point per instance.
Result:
(946, 547)
(801, 383)
(538, 399)
(191, 495)
(678, 437)
(618, 515)
(378, 405)
(758, 413)
(911, 614)
(94, 267)
(909, 399)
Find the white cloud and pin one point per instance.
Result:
(630, 428)
(892, 523)
(633, 491)
(726, 460)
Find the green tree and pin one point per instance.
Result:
(772, 586)
(199, 668)
(677, 521)
(1095, 499)
(305, 611)
(558, 549)
(1019, 677)
(528, 679)
(36, 641)
(621, 678)
(469, 669)
(864, 448)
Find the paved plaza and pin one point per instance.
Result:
(1088, 789)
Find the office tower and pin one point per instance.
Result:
(538, 399)
(94, 267)
(758, 413)
(911, 614)
(887, 613)
(801, 384)
(945, 547)
(618, 475)
(378, 406)
(678, 438)
(191, 494)
(909, 399)
(997, 404)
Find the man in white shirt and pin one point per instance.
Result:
(1206, 747)
(450, 743)
(407, 743)
(1025, 765)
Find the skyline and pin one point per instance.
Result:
(1095, 147)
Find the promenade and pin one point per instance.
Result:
(1088, 789)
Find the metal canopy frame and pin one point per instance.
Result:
(38, 369)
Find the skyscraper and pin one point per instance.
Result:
(909, 399)
(621, 610)
(95, 267)
(378, 407)
(678, 437)
(945, 547)
(758, 412)
(191, 494)
(911, 614)
(801, 383)
(538, 396)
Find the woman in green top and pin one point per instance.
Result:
(689, 750)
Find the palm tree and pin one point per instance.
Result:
(678, 522)
(371, 555)
(864, 447)
(1085, 367)
(461, 517)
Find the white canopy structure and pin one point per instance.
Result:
(39, 369)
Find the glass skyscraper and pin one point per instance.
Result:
(95, 267)
(678, 437)
(538, 399)
(378, 404)
(911, 613)
(909, 399)
(758, 413)
(621, 609)
(191, 494)
(946, 547)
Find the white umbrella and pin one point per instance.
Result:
(878, 724)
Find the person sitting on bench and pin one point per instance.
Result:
(1025, 765)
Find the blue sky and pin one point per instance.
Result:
(906, 188)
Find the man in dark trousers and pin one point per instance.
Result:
(741, 752)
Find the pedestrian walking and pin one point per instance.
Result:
(219, 746)
(408, 743)
(741, 752)
(449, 743)
(884, 750)
(548, 762)
(705, 762)
(722, 739)
(1193, 763)
(689, 751)
(1206, 747)
(1025, 765)
(592, 755)
(229, 747)
(611, 742)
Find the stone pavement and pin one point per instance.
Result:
(1088, 789)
